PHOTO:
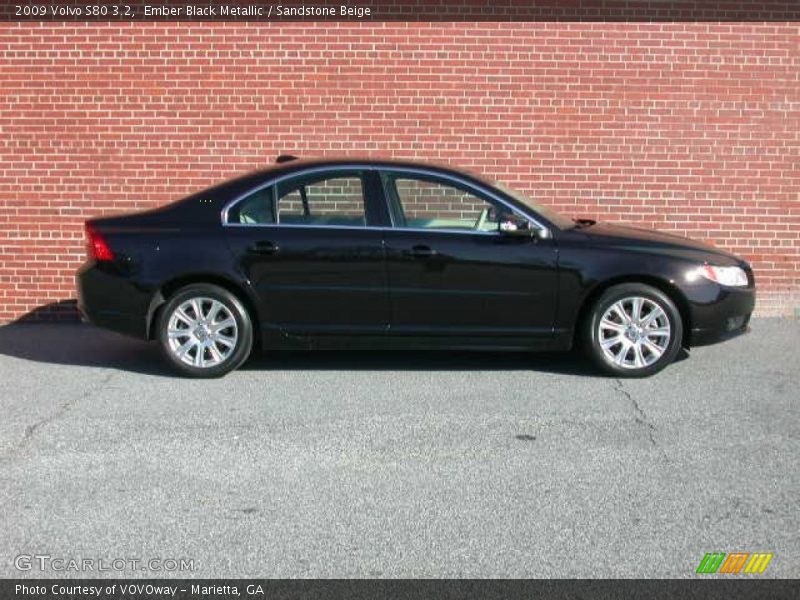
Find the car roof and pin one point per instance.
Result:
(224, 191)
(288, 163)
(211, 200)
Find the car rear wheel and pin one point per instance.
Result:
(205, 331)
(634, 330)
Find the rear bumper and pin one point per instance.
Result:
(106, 298)
(722, 315)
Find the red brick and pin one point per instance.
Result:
(693, 128)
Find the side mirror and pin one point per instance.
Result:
(512, 224)
(521, 233)
(531, 232)
(515, 226)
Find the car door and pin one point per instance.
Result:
(462, 263)
(307, 247)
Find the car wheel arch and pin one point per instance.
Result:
(663, 285)
(168, 288)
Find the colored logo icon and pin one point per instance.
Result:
(734, 563)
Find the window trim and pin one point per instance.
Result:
(273, 183)
(481, 190)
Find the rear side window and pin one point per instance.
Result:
(256, 209)
(329, 200)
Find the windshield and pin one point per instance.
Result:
(555, 218)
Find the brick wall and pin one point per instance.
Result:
(688, 127)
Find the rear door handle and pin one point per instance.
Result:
(420, 252)
(264, 248)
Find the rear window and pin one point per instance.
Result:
(334, 200)
(256, 209)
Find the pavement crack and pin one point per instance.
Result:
(640, 417)
(33, 428)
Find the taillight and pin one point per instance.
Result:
(97, 247)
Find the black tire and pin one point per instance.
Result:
(633, 336)
(232, 356)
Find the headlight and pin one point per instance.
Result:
(732, 276)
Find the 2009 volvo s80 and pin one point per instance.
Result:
(379, 253)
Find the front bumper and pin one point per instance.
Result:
(720, 313)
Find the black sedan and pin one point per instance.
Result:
(377, 253)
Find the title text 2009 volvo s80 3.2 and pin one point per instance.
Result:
(353, 253)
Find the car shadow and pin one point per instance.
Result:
(568, 363)
(76, 344)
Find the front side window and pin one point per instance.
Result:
(330, 199)
(423, 203)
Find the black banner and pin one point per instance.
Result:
(399, 10)
(372, 589)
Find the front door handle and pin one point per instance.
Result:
(420, 252)
(264, 248)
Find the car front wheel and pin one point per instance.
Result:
(205, 331)
(633, 330)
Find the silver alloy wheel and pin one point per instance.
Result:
(634, 332)
(202, 332)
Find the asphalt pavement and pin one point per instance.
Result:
(392, 464)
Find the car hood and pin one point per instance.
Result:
(636, 238)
